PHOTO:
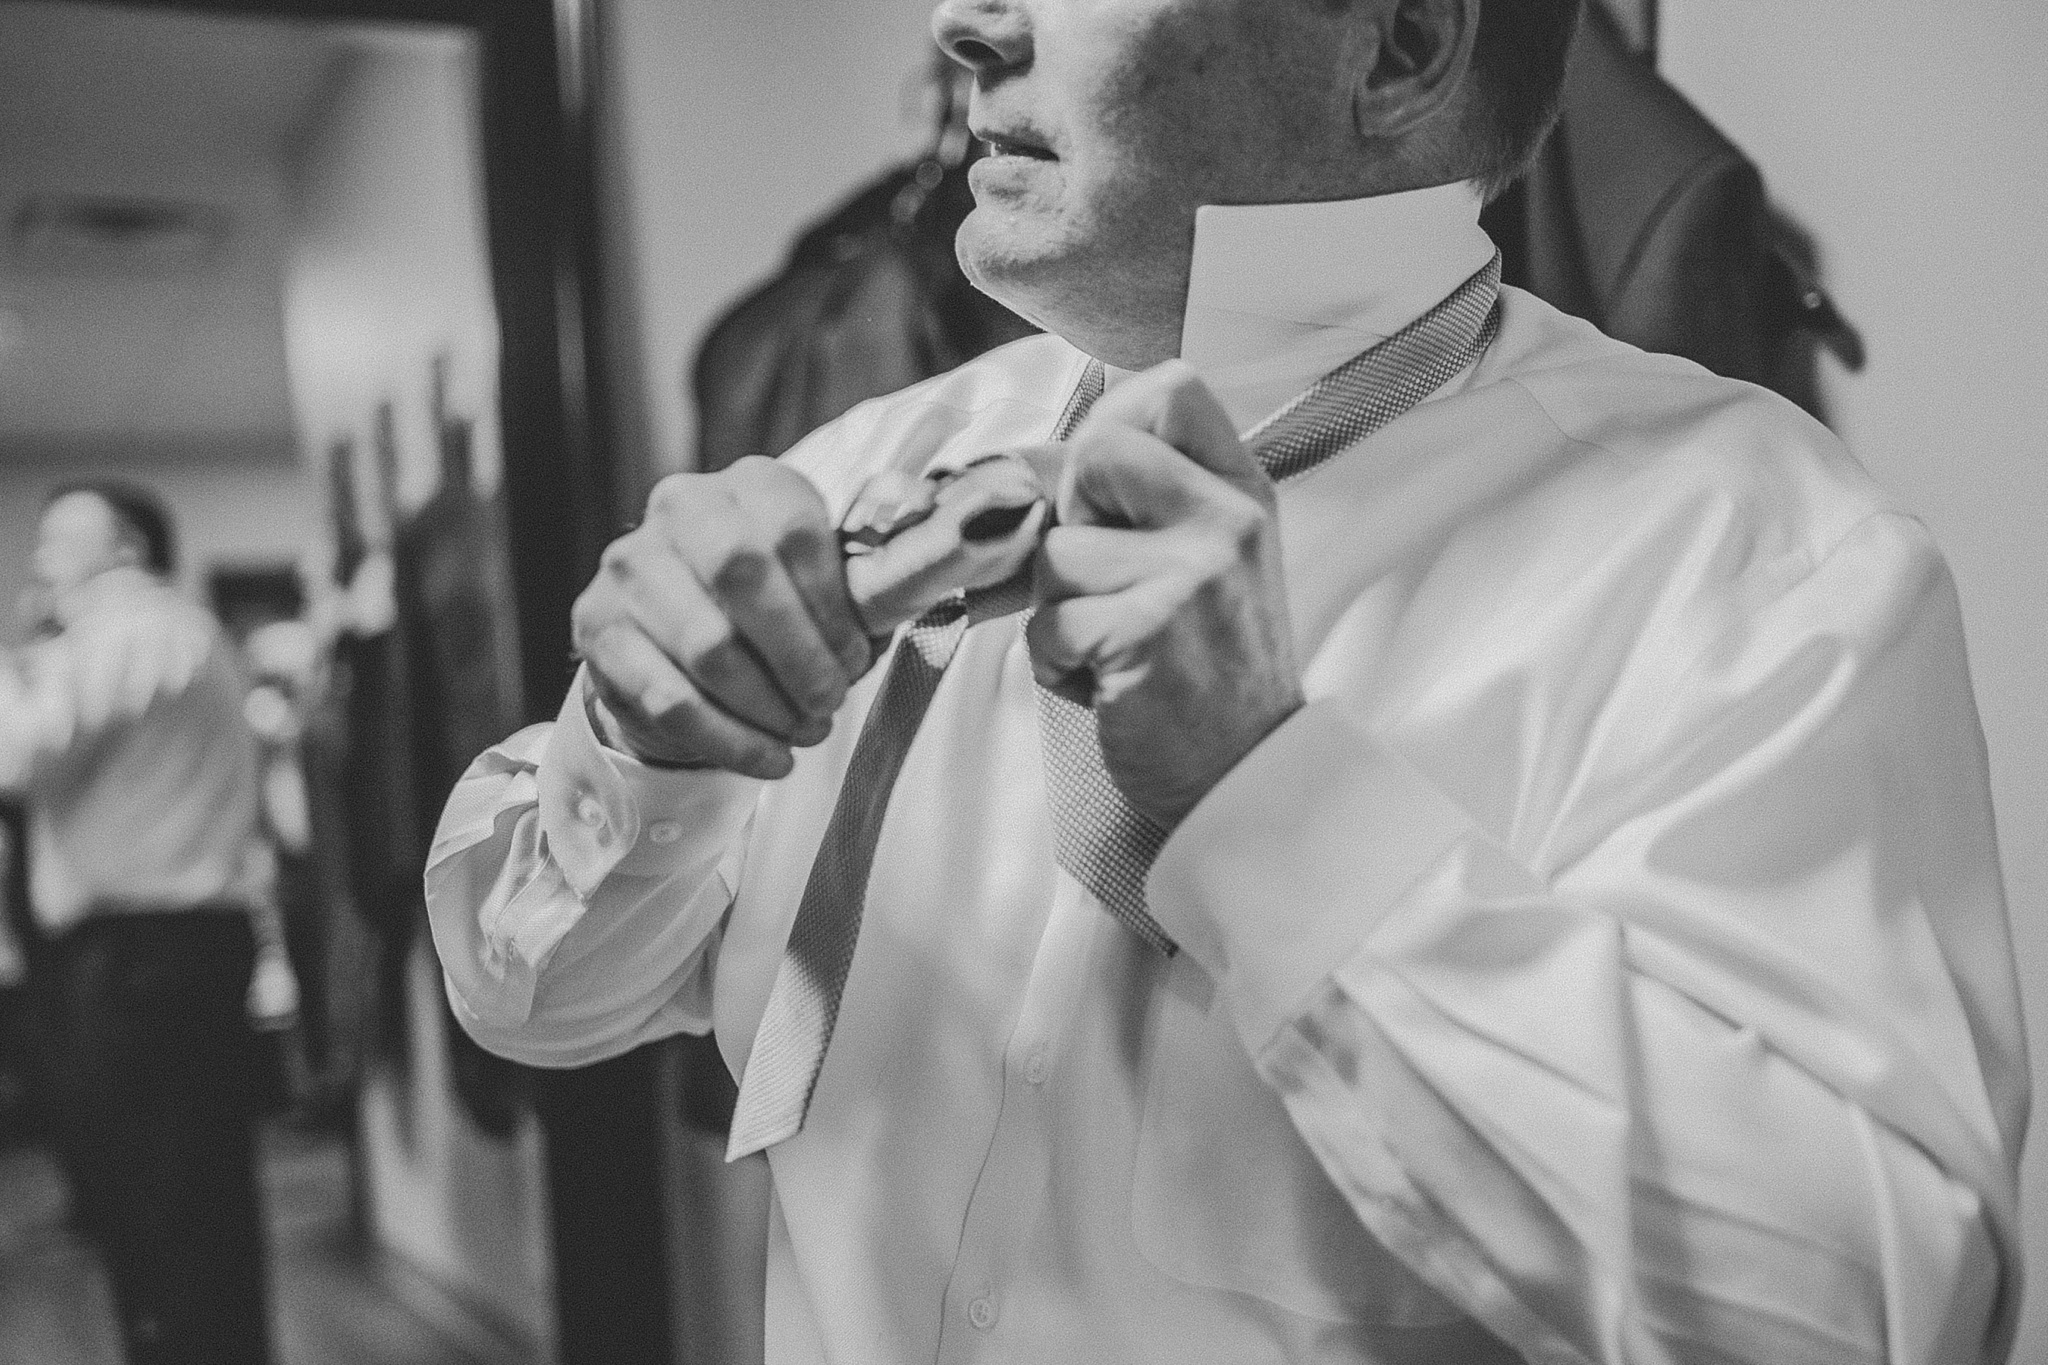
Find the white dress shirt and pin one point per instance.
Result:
(1609, 962)
(125, 733)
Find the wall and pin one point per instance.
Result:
(109, 335)
(388, 271)
(1912, 141)
(387, 267)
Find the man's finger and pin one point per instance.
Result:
(1123, 477)
(674, 610)
(1093, 561)
(808, 549)
(666, 719)
(1172, 403)
(740, 566)
(1088, 637)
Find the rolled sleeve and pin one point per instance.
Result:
(575, 893)
(604, 811)
(1247, 885)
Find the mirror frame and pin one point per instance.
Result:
(537, 69)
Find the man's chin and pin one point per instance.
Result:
(1067, 279)
(1014, 258)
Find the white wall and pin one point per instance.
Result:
(127, 103)
(736, 122)
(387, 266)
(1912, 140)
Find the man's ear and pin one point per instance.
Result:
(1418, 65)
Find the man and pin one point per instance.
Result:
(123, 730)
(1565, 922)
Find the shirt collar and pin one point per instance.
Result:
(1281, 294)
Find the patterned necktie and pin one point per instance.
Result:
(1099, 838)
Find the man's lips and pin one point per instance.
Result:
(1000, 144)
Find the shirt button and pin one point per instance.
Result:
(982, 1313)
(591, 812)
(1036, 1069)
(664, 832)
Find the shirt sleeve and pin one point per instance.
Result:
(577, 895)
(61, 694)
(37, 723)
(1715, 1056)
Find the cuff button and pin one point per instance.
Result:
(664, 832)
(590, 812)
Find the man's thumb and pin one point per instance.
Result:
(1171, 402)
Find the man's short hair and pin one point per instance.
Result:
(140, 515)
(1518, 66)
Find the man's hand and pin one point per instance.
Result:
(1161, 599)
(719, 634)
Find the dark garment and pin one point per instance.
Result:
(460, 637)
(870, 300)
(154, 1068)
(19, 1074)
(377, 802)
(604, 1152)
(1642, 218)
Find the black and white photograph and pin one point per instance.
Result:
(987, 682)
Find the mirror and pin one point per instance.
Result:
(323, 274)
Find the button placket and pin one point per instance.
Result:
(1014, 1177)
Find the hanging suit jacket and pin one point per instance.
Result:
(1640, 217)
(871, 300)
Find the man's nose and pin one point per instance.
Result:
(985, 36)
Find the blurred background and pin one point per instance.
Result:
(402, 307)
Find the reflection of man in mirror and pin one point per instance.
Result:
(1480, 850)
(122, 727)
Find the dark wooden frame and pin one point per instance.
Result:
(537, 71)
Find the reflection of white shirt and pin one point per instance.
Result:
(1612, 952)
(125, 733)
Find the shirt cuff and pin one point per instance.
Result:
(606, 812)
(1276, 878)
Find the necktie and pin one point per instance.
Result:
(1099, 838)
